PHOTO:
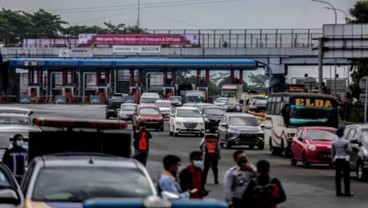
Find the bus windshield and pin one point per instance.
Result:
(313, 112)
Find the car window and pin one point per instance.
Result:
(163, 104)
(149, 111)
(365, 138)
(232, 102)
(175, 98)
(148, 100)
(215, 111)
(4, 183)
(128, 107)
(321, 135)
(299, 133)
(115, 104)
(190, 113)
(243, 121)
(221, 100)
(14, 120)
(350, 134)
(76, 184)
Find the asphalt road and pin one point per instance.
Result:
(305, 187)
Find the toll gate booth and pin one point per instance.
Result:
(69, 84)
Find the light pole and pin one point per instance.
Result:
(321, 42)
(340, 10)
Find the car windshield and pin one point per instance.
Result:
(149, 111)
(365, 138)
(175, 98)
(115, 104)
(189, 113)
(194, 99)
(229, 94)
(14, 120)
(258, 101)
(243, 121)
(200, 107)
(128, 107)
(321, 135)
(163, 104)
(221, 100)
(76, 184)
(232, 102)
(148, 100)
(215, 111)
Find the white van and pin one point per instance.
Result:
(149, 98)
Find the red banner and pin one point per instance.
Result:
(139, 39)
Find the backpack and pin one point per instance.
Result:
(265, 195)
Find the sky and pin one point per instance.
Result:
(192, 14)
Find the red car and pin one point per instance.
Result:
(312, 145)
(150, 116)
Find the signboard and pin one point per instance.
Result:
(76, 53)
(44, 42)
(138, 39)
(136, 49)
(345, 41)
(362, 97)
(363, 83)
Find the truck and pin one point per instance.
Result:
(232, 91)
(194, 96)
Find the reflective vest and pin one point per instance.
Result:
(211, 144)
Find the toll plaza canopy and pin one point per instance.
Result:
(135, 63)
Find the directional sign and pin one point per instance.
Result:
(363, 83)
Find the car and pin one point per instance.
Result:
(129, 99)
(258, 104)
(357, 135)
(186, 120)
(189, 105)
(220, 101)
(11, 195)
(15, 116)
(67, 172)
(112, 108)
(148, 115)
(212, 116)
(117, 96)
(164, 106)
(149, 98)
(312, 145)
(176, 101)
(200, 106)
(240, 129)
(126, 111)
(232, 105)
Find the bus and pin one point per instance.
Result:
(286, 112)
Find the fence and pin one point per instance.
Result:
(215, 38)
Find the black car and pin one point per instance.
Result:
(212, 116)
(240, 129)
(113, 107)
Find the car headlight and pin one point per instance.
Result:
(312, 147)
(260, 134)
(201, 124)
(206, 120)
(178, 123)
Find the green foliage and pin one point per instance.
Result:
(259, 80)
(360, 14)
(18, 25)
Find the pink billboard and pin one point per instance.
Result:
(138, 39)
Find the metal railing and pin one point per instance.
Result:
(217, 38)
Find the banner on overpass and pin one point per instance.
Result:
(76, 53)
(138, 39)
(136, 49)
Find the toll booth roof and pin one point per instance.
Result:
(136, 63)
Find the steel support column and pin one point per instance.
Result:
(173, 76)
(198, 76)
(240, 76)
(207, 76)
(231, 76)
(164, 76)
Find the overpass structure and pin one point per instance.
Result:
(274, 49)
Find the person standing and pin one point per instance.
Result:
(168, 179)
(16, 156)
(263, 191)
(210, 145)
(191, 178)
(237, 179)
(340, 157)
(141, 144)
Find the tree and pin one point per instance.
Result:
(259, 80)
(360, 15)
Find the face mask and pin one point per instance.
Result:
(20, 143)
(198, 163)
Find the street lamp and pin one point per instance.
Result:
(340, 10)
(332, 6)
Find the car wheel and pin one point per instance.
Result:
(361, 172)
(134, 128)
(162, 129)
(261, 146)
(251, 146)
(201, 135)
(305, 162)
(170, 132)
(107, 117)
(196, 135)
(284, 150)
(293, 161)
(228, 145)
(175, 134)
(272, 149)
(221, 144)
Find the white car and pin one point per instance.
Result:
(186, 120)
(164, 106)
(220, 101)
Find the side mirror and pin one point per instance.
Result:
(262, 126)
(224, 125)
(172, 115)
(301, 139)
(9, 196)
(354, 141)
(166, 195)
